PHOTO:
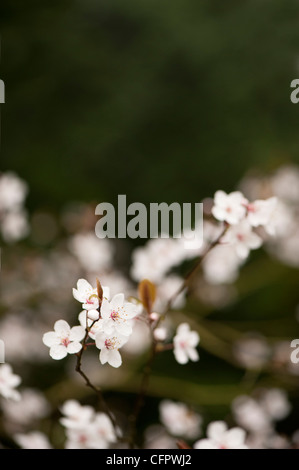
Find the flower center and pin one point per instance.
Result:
(114, 315)
(65, 342)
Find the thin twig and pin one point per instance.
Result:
(190, 274)
(89, 384)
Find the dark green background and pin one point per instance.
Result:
(158, 100)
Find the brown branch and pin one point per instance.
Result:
(89, 384)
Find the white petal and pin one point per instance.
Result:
(117, 301)
(220, 197)
(180, 356)
(83, 285)
(93, 315)
(193, 338)
(62, 328)
(205, 444)
(74, 347)
(193, 354)
(50, 338)
(235, 437)
(105, 309)
(114, 358)
(77, 333)
(123, 328)
(104, 355)
(58, 352)
(216, 430)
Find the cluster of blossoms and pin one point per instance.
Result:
(109, 323)
(258, 415)
(180, 420)
(86, 429)
(13, 216)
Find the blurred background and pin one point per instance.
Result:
(161, 101)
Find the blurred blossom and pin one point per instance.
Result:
(180, 420)
(15, 226)
(185, 341)
(156, 258)
(221, 265)
(75, 415)
(32, 440)
(249, 414)
(13, 218)
(252, 352)
(230, 208)
(86, 429)
(285, 183)
(8, 382)
(220, 437)
(167, 288)
(13, 191)
(26, 334)
(275, 403)
(258, 415)
(139, 340)
(156, 438)
(94, 254)
(242, 239)
(31, 406)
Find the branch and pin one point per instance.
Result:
(89, 384)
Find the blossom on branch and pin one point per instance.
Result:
(64, 339)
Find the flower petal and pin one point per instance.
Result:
(62, 328)
(50, 338)
(58, 352)
(77, 333)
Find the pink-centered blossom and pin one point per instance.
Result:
(64, 339)
(185, 342)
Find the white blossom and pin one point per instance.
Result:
(242, 238)
(8, 382)
(185, 342)
(88, 295)
(230, 208)
(180, 420)
(64, 339)
(109, 346)
(220, 437)
(76, 416)
(116, 315)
